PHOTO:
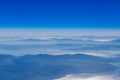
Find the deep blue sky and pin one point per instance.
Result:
(60, 13)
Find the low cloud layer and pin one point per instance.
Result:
(59, 46)
(72, 77)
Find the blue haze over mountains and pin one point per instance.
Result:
(53, 58)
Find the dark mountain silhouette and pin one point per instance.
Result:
(49, 67)
(116, 41)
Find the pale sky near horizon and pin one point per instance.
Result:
(56, 32)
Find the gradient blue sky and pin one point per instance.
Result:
(60, 14)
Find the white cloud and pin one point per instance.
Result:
(106, 77)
